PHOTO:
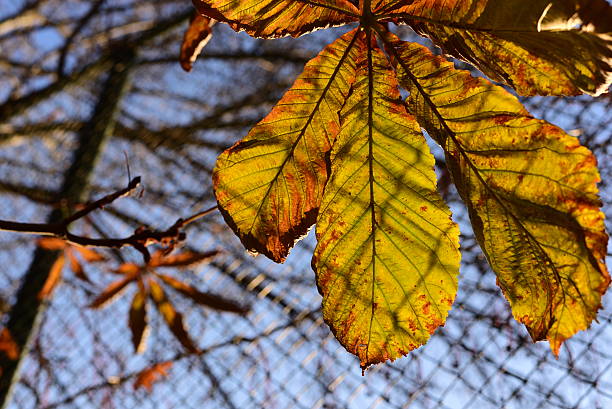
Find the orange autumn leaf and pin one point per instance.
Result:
(51, 243)
(70, 252)
(145, 277)
(130, 269)
(88, 254)
(8, 345)
(54, 277)
(149, 376)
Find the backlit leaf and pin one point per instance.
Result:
(343, 148)
(530, 190)
(173, 319)
(278, 18)
(269, 185)
(196, 37)
(207, 299)
(137, 320)
(546, 47)
(387, 256)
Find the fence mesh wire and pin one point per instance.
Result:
(56, 61)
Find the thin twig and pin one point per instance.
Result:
(199, 215)
(140, 239)
(100, 203)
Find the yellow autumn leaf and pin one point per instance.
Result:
(269, 185)
(539, 47)
(340, 146)
(529, 187)
(387, 256)
(278, 18)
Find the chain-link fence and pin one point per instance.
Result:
(91, 95)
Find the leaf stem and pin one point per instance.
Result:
(371, 173)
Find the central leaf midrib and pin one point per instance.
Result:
(371, 179)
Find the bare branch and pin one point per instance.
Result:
(141, 238)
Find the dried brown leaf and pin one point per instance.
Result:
(151, 375)
(77, 267)
(184, 259)
(138, 320)
(55, 274)
(198, 34)
(173, 318)
(112, 291)
(214, 301)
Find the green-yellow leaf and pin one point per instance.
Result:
(387, 256)
(269, 185)
(545, 47)
(278, 18)
(530, 190)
